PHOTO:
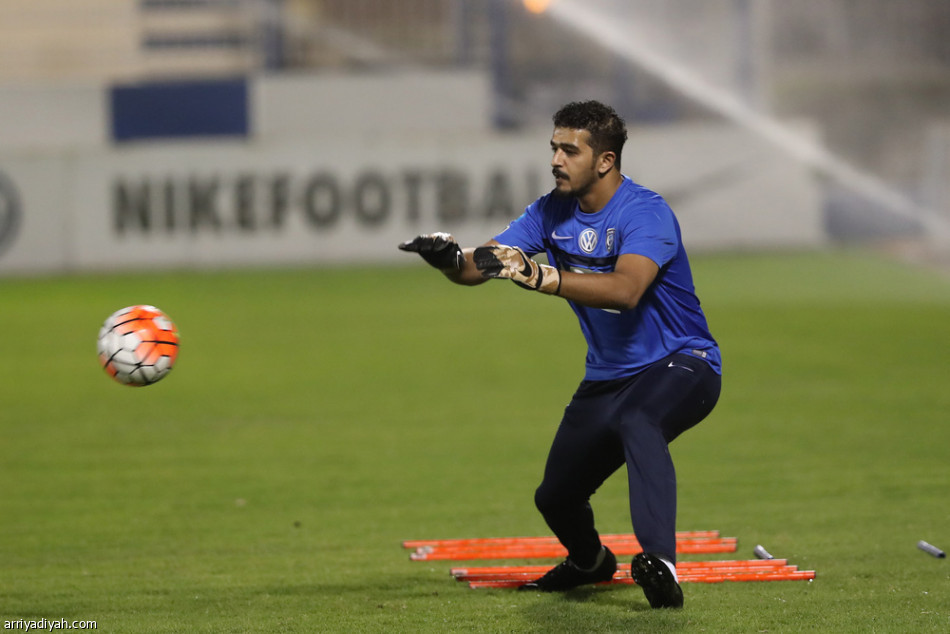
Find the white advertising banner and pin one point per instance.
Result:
(341, 200)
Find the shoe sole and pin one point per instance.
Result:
(658, 584)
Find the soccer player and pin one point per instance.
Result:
(653, 370)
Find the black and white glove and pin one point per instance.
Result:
(501, 261)
(438, 249)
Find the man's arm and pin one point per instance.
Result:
(442, 252)
(620, 290)
(468, 275)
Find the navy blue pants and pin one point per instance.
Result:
(625, 421)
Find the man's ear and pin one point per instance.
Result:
(605, 163)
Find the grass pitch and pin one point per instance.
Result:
(317, 418)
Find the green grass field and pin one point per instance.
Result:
(317, 418)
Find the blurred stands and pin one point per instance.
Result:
(871, 76)
(186, 38)
(54, 40)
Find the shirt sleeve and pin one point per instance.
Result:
(651, 232)
(526, 231)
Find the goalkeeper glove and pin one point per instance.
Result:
(512, 263)
(438, 249)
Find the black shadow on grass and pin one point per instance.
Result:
(587, 609)
(601, 609)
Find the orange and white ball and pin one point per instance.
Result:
(138, 345)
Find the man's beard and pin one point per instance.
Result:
(572, 192)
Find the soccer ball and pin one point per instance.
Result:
(138, 345)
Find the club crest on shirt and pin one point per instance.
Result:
(609, 240)
(587, 241)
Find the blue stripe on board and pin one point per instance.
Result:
(160, 110)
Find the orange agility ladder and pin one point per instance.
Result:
(549, 547)
(766, 568)
(689, 571)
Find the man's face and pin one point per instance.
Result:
(573, 162)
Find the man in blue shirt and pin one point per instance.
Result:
(653, 369)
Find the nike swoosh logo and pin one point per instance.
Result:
(557, 237)
(673, 365)
(526, 271)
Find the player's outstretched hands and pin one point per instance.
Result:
(438, 249)
(512, 263)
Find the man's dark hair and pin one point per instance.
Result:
(608, 131)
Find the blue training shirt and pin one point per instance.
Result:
(668, 318)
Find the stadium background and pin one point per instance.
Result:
(227, 132)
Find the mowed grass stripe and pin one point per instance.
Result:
(318, 418)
